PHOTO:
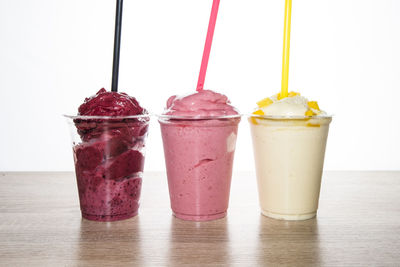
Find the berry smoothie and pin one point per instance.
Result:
(109, 157)
(199, 135)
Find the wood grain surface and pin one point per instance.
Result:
(358, 224)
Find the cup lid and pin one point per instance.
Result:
(197, 117)
(74, 117)
(269, 117)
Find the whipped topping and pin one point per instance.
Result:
(203, 103)
(294, 105)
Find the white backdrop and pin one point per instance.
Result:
(344, 53)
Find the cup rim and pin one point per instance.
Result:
(270, 117)
(74, 117)
(197, 117)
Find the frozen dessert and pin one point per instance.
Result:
(106, 103)
(199, 135)
(289, 138)
(293, 105)
(109, 157)
(204, 103)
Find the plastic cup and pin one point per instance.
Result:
(289, 156)
(199, 155)
(109, 159)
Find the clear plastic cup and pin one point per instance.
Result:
(199, 155)
(109, 160)
(289, 156)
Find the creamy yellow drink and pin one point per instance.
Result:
(289, 138)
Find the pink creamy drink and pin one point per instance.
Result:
(199, 134)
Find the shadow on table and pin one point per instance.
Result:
(288, 242)
(198, 243)
(105, 243)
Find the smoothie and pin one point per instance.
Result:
(289, 138)
(199, 135)
(109, 155)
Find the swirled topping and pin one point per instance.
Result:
(203, 103)
(106, 103)
(293, 105)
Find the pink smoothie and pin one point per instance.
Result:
(199, 134)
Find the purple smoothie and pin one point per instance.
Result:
(109, 158)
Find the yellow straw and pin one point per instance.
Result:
(286, 48)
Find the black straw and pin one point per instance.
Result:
(117, 46)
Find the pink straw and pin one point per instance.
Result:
(207, 47)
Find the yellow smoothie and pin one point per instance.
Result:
(289, 138)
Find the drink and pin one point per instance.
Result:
(109, 156)
(199, 153)
(289, 154)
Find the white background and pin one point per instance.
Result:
(344, 53)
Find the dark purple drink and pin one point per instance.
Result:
(109, 155)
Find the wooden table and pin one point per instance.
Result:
(358, 224)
